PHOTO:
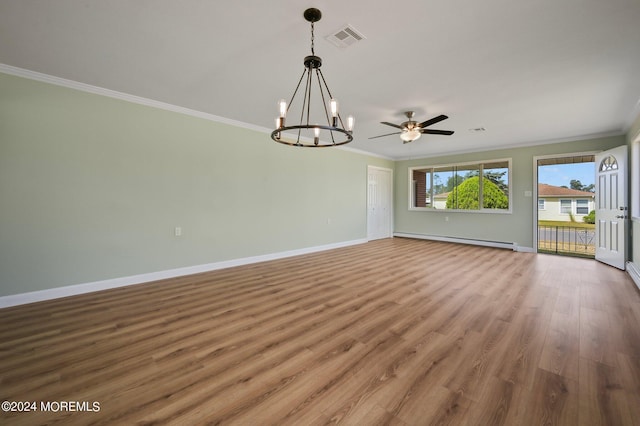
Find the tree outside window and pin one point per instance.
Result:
(469, 187)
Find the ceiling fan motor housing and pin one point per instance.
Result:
(409, 125)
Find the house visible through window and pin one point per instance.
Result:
(541, 204)
(565, 206)
(582, 206)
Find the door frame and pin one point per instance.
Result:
(535, 186)
(391, 203)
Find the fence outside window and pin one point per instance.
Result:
(569, 240)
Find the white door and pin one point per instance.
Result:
(379, 199)
(611, 207)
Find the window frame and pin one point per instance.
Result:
(412, 186)
(570, 205)
(586, 206)
(544, 204)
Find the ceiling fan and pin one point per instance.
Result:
(411, 130)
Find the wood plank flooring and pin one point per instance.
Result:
(395, 331)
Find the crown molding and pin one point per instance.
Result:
(96, 90)
(514, 146)
(71, 84)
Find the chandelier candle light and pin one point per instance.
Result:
(308, 135)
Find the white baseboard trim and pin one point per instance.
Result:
(524, 249)
(634, 271)
(497, 244)
(72, 290)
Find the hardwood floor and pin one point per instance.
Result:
(396, 331)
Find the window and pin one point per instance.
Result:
(541, 205)
(608, 164)
(451, 190)
(468, 187)
(582, 206)
(565, 206)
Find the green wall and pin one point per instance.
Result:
(92, 188)
(634, 132)
(515, 227)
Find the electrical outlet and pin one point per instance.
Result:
(177, 231)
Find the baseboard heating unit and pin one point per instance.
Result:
(496, 244)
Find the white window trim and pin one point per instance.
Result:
(560, 200)
(585, 200)
(544, 204)
(482, 210)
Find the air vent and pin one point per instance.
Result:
(345, 36)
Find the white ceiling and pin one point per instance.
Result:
(530, 72)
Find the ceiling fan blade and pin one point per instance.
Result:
(388, 134)
(437, 132)
(434, 120)
(391, 124)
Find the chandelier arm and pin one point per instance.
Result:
(324, 104)
(304, 103)
(308, 94)
(325, 83)
(296, 91)
(330, 95)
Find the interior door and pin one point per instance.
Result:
(379, 199)
(611, 207)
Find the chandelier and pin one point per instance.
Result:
(309, 132)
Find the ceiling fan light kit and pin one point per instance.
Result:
(308, 135)
(410, 135)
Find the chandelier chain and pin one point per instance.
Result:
(313, 52)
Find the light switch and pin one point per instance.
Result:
(528, 194)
